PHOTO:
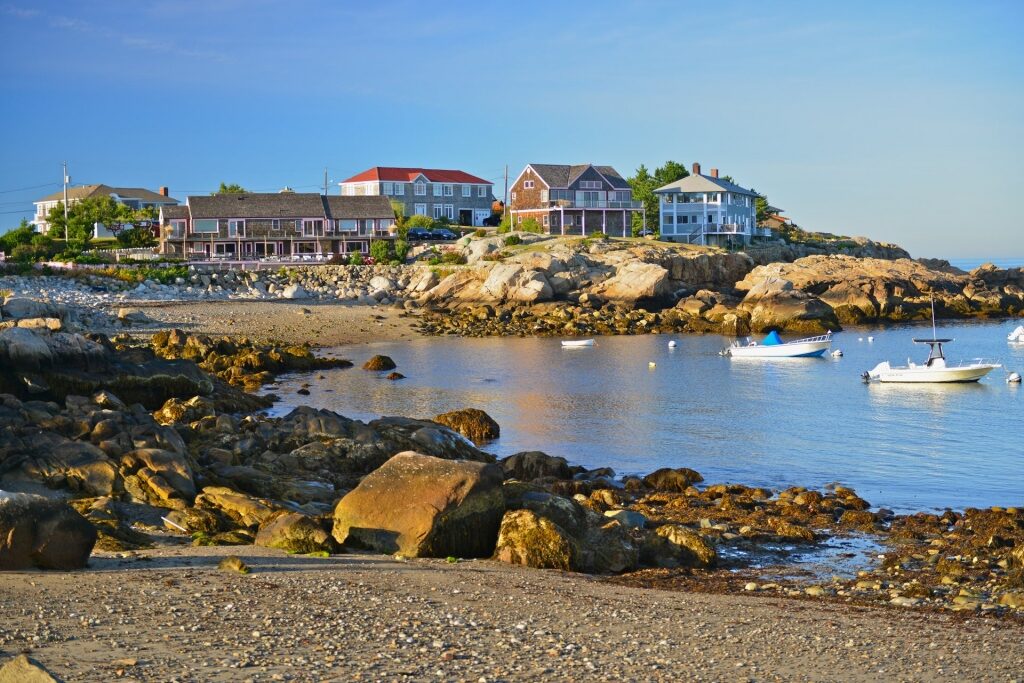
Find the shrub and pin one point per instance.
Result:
(419, 221)
(355, 259)
(379, 250)
(480, 233)
(453, 258)
(401, 249)
(513, 240)
(531, 225)
(434, 261)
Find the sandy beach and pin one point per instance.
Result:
(294, 322)
(171, 615)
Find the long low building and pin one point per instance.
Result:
(286, 224)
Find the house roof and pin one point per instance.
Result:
(258, 205)
(564, 175)
(407, 175)
(704, 183)
(370, 206)
(174, 211)
(83, 191)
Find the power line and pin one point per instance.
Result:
(31, 187)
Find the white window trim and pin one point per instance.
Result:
(438, 211)
(236, 227)
(527, 184)
(449, 211)
(419, 209)
(389, 188)
(481, 191)
(399, 189)
(438, 190)
(420, 189)
(467, 190)
(449, 190)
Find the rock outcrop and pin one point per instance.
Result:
(472, 423)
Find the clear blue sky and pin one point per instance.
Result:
(900, 121)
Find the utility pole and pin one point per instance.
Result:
(505, 212)
(65, 198)
(325, 180)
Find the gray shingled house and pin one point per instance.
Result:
(286, 224)
(573, 199)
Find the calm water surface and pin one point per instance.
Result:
(772, 423)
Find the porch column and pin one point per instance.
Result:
(561, 219)
(583, 221)
(623, 222)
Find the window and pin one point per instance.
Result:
(389, 188)
(311, 228)
(543, 196)
(520, 220)
(438, 189)
(347, 225)
(449, 190)
(420, 210)
(275, 224)
(449, 211)
(513, 196)
(527, 184)
(177, 228)
(399, 188)
(420, 189)
(205, 225)
(438, 208)
(298, 226)
(481, 191)
(684, 219)
(590, 184)
(668, 219)
(545, 220)
(236, 228)
(467, 191)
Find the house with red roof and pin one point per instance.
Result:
(460, 197)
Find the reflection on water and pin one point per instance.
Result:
(771, 423)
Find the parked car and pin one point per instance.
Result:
(418, 234)
(443, 234)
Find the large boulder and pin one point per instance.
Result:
(175, 410)
(240, 508)
(472, 423)
(774, 304)
(528, 539)
(422, 506)
(673, 545)
(167, 474)
(43, 533)
(530, 465)
(635, 281)
(296, 533)
(672, 479)
(23, 669)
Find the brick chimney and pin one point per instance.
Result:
(164, 191)
(714, 173)
(696, 168)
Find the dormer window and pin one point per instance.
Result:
(420, 188)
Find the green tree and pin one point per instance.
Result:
(355, 259)
(644, 184)
(379, 250)
(761, 206)
(22, 234)
(135, 236)
(233, 188)
(401, 249)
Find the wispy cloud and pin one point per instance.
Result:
(160, 46)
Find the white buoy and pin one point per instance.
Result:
(652, 364)
(838, 353)
(1014, 378)
(860, 338)
(871, 339)
(672, 344)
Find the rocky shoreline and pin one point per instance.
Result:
(138, 443)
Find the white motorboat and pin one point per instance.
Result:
(1017, 336)
(577, 343)
(936, 370)
(773, 347)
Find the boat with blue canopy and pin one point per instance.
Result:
(773, 346)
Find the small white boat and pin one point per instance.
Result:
(936, 370)
(773, 347)
(1013, 378)
(1017, 336)
(577, 343)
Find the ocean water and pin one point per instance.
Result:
(775, 423)
(1002, 262)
